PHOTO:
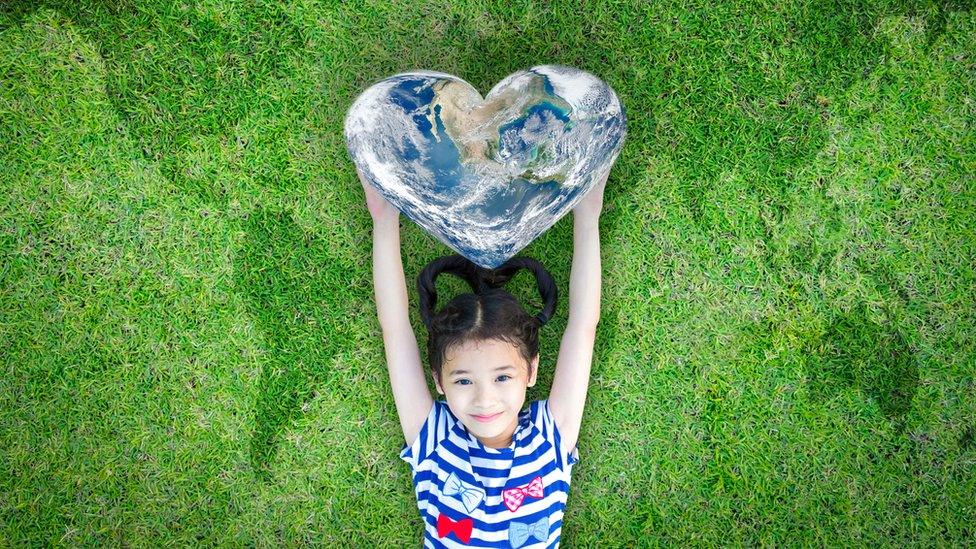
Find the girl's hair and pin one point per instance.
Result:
(490, 313)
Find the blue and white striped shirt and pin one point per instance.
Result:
(470, 495)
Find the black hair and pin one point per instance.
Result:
(490, 313)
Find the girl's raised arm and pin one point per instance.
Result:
(410, 392)
(572, 377)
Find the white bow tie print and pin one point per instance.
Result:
(470, 495)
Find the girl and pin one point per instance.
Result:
(486, 472)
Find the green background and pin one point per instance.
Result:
(188, 335)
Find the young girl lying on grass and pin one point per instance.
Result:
(488, 473)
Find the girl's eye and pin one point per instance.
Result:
(507, 377)
(462, 382)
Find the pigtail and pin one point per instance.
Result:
(427, 282)
(496, 278)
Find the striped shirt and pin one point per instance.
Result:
(471, 495)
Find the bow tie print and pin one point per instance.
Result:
(469, 495)
(460, 528)
(513, 496)
(518, 532)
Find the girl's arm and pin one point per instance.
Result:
(410, 392)
(572, 377)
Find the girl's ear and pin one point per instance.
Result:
(437, 384)
(535, 371)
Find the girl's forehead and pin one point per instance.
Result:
(486, 347)
(483, 355)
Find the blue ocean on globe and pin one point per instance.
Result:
(486, 176)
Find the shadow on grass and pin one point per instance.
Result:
(759, 116)
(179, 77)
(857, 351)
(294, 286)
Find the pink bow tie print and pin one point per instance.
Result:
(513, 496)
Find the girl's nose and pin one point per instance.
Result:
(485, 396)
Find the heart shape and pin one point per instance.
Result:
(486, 176)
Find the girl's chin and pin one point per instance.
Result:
(487, 432)
(484, 431)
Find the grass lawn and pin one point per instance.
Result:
(188, 336)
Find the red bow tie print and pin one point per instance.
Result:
(460, 528)
(513, 496)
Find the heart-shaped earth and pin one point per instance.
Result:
(486, 176)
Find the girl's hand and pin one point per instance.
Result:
(592, 204)
(379, 208)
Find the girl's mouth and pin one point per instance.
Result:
(486, 419)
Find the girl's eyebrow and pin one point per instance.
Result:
(498, 369)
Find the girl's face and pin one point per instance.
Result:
(484, 384)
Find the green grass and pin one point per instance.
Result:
(189, 344)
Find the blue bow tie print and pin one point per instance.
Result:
(519, 532)
(469, 495)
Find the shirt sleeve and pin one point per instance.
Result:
(547, 424)
(433, 431)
